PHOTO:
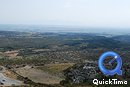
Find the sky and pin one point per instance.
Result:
(88, 13)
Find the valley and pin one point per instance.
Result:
(41, 59)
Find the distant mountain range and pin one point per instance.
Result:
(83, 40)
(123, 38)
(63, 29)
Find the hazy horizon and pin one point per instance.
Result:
(62, 29)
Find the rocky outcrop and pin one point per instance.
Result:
(86, 72)
(81, 72)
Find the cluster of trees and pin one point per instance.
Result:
(74, 41)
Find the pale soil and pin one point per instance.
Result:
(38, 50)
(10, 74)
(38, 76)
(8, 78)
(11, 53)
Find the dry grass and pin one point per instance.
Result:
(55, 68)
(47, 74)
(38, 76)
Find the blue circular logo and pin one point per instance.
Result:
(116, 57)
